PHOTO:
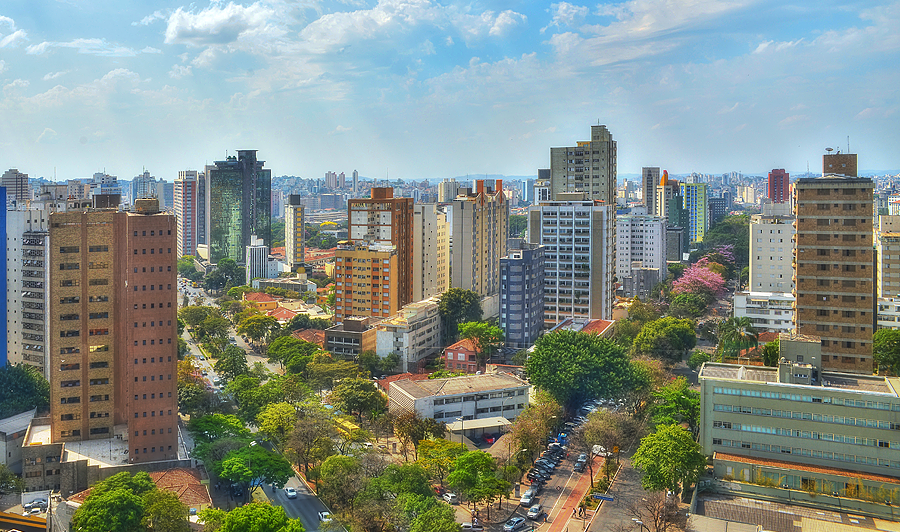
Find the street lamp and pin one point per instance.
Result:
(638, 521)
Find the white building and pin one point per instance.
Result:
(480, 229)
(447, 190)
(186, 209)
(431, 251)
(768, 311)
(414, 333)
(772, 249)
(888, 313)
(258, 263)
(887, 246)
(641, 242)
(294, 232)
(579, 239)
(470, 404)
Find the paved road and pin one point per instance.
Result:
(626, 489)
(306, 506)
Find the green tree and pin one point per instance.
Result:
(518, 223)
(257, 327)
(698, 358)
(411, 429)
(456, 306)
(439, 518)
(10, 482)
(112, 511)
(475, 475)
(231, 363)
(687, 306)
(312, 440)
(438, 456)
(389, 362)
(276, 421)
(259, 517)
(22, 388)
(358, 396)
(667, 337)
(368, 362)
(324, 371)
(340, 481)
(771, 352)
(487, 339)
(216, 426)
(886, 350)
(253, 466)
(252, 396)
(186, 265)
(737, 334)
(164, 512)
(669, 459)
(194, 315)
(530, 429)
(676, 403)
(575, 366)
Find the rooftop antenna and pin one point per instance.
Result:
(848, 143)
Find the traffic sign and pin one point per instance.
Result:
(616, 449)
(599, 497)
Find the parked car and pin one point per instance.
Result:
(451, 498)
(290, 492)
(237, 490)
(514, 524)
(600, 450)
(528, 498)
(325, 517)
(579, 465)
(473, 527)
(489, 439)
(535, 512)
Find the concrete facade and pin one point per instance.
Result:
(640, 242)
(772, 249)
(888, 255)
(588, 167)
(768, 311)
(431, 251)
(294, 232)
(366, 281)
(480, 221)
(350, 338)
(695, 203)
(522, 293)
(649, 182)
(187, 200)
(470, 398)
(414, 333)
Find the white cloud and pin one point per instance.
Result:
(53, 75)
(100, 47)
(13, 38)
(342, 129)
(566, 14)
(2, 66)
(149, 19)
(9, 21)
(17, 83)
(47, 136)
(506, 21)
(218, 24)
(179, 71)
(150, 50)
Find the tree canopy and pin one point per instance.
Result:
(22, 387)
(125, 503)
(667, 338)
(676, 403)
(669, 459)
(359, 397)
(486, 338)
(886, 350)
(574, 366)
(456, 306)
(252, 517)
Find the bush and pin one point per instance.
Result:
(697, 359)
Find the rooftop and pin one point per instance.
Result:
(260, 297)
(16, 423)
(40, 433)
(465, 344)
(458, 385)
(104, 453)
(768, 462)
(186, 483)
(764, 374)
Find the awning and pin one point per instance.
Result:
(482, 423)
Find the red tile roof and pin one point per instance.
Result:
(768, 462)
(183, 482)
(314, 336)
(386, 382)
(282, 314)
(260, 297)
(464, 344)
(598, 327)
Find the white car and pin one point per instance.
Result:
(451, 498)
(291, 493)
(325, 517)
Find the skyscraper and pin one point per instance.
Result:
(384, 219)
(641, 244)
(695, 203)
(238, 205)
(355, 182)
(480, 230)
(431, 251)
(113, 331)
(779, 189)
(447, 190)
(16, 185)
(522, 293)
(834, 268)
(144, 186)
(589, 167)
(771, 249)
(186, 215)
(649, 182)
(294, 241)
(579, 239)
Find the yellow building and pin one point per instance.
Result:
(294, 220)
(366, 280)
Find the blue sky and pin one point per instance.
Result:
(426, 89)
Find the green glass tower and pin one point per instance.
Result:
(240, 205)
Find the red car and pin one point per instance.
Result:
(489, 439)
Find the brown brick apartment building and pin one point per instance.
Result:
(113, 330)
(834, 268)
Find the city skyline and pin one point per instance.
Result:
(697, 86)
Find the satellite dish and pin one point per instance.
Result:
(829, 150)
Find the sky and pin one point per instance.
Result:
(417, 89)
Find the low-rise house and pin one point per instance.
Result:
(461, 356)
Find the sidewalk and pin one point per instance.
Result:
(564, 520)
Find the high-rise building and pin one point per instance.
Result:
(384, 219)
(256, 261)
(640, 244)
(431, 251)
(367, 278)
(166, 192)
(579, 239)
(772, 249)
(480, 229)
(695, 203)
(203, 206)
(355, 182)
(447, 190)
(113, 329)
(186, 205)
(522, 293)
(16, 185)
(144, 186)
(528, 191)
(588, 167)
(717, 210)
(414, 333)
(833, 276)
(331, 180)
(238, 205)
(779, 189)
(649, 182)
(294, 232)
(888, 282)
(670, 205)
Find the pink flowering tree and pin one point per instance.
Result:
(700, 281)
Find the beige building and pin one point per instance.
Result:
(366, 280)
(888, 254)
(772, 249)
(350, 338)
(294, 234)
(798, 428)
(834, 268)
(588, 167)
(414, 333)
(480, 229)
(431, 251)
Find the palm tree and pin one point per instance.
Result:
(737, 334)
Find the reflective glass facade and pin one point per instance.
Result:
(240, 205)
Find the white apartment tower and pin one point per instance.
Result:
(431, 251)
(186, 199)
(447, 190)
(579, 239)
(480, 230)
(640, 239)
(588, 167)
(294, 223)
(772, 249)
(16, 184)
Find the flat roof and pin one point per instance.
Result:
(781, 464)
(765, 374)
(17, 423)
(458, 385)
(481, 423)
(39, 434)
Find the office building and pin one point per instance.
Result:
(384, 219)
(113, 331)
(166, 192)
(447, 190)
(352, 336)
(522, 293)
(779, 189)
(414, 333)
(695, 203)
(528, 191)
(355, 182)
(366, 280)
(239, 195)
(670, 205)
(718, 209)
(640, 244)
(767, 311)
(649, 182)
(799, 429)
(588, 167)
(579, 239)
(480, 229)
(676, 244)
(833, 276)
(772, 249)
(16, 185)
(145, 186)
(294, 232)
(431, 251)
(256, 260)
(186, 209)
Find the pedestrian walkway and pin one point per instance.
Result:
(564, 518)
